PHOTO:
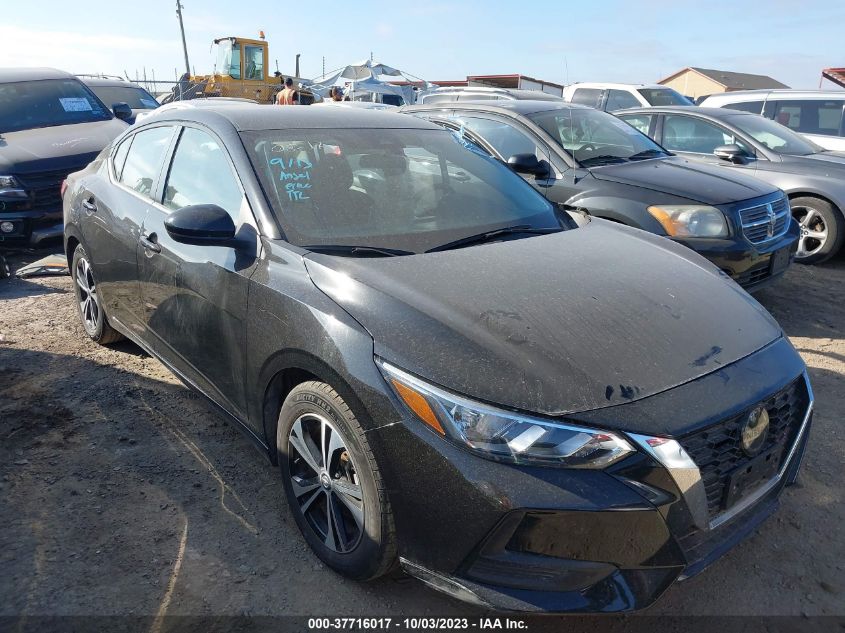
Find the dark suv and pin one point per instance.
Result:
(51, 124)
(592, 161)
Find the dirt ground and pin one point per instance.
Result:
(121, 493)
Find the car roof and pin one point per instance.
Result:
(516, 93)
(504, 106)
(798, 94)
(602, 84)
(716, 113)
(8, 75)
(248, 116)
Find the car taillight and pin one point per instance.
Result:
(64, 188)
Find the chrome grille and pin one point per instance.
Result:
(44, 188)
(764, 222)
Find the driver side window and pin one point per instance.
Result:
(687, 134)
(506, 139)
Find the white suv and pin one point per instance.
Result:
(817, 114)
(611, 97)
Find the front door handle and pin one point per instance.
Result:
(89, 204)
(148, 241)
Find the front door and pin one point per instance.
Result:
(195, 296)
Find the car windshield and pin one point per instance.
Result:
(773, 135)
(25, 105)
(401, 189)
(596, 138)
(664, 97)
(137, 98)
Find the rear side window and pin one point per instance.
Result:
(144, 159)
(811, 116)
(201, 174)
(620, 99)
(755, 107)
(588, 97)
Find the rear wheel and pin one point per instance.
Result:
(822, 229)
(333, 484)
(88, 301)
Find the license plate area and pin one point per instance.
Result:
(779, 261)
(751, 475)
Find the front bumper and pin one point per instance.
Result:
(751, 265)
(555, 540)
(31, 228)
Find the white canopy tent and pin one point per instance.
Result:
(368, 78)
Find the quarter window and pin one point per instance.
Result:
(144, 159)
(120, 157)
(201, 174)
(688, 134)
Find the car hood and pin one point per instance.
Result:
(680, 177)
(555, 324)
(829, 159)
(56, 147)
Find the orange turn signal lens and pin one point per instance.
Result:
(418, 404)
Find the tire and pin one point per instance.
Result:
(361, 548)
(89, 304)
(822, 229)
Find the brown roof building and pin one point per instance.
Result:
(697, 82)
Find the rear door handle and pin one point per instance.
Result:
(89, 204)
(148, 241)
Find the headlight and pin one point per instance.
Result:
(504, 435)
(690, 220)
(9, 182)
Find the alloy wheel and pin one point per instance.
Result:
(814, 231)
(89, 300)
(325, 482)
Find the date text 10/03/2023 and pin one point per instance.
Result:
(416, 624)
(296, 174)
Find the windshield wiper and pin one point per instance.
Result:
(366, 251)
(489, 235)
(604, 159)
(648, 153)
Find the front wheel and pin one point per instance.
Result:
(333, 484)
(89, 303)
(822, 229)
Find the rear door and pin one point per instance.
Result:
(115, 214)
(195, 296)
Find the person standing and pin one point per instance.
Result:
(288, 96)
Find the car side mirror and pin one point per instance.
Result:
(732, 153)
(201, 224)
(528, 164)
(122, 111)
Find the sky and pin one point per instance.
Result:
(565, 41)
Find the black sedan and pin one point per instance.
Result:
(524, 407)
(587, 159)
(812, 177)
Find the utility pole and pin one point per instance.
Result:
(179, 8)
(297, 65)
